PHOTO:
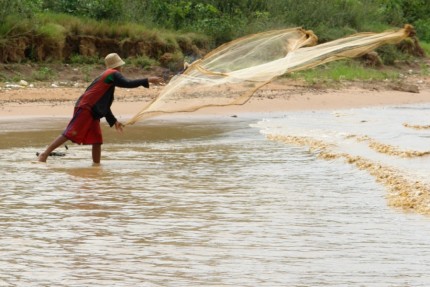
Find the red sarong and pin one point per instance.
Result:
(83, 128)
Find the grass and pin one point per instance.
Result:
(142, 61)
(345, 70)
(424, 69)
(52, 31)
(84, 60)
(43, 74)
(426, 47)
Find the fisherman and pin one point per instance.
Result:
(94, 104)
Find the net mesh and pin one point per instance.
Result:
(230, 74)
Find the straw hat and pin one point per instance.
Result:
(113, 61)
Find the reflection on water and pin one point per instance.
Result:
(199, 203)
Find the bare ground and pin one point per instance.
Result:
(55, 96)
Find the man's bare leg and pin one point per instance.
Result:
(97, 153)
(56, 143)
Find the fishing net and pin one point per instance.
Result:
(230, 74)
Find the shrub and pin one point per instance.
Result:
(426, 47)
(142, 61)
(390, 54)
(79, 59)
(43, 74)
(52, 32)
(422, 27)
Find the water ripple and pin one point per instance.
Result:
(223, 208)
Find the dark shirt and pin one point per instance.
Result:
(99, 95)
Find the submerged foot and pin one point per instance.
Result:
(42, 157)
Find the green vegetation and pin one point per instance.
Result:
(142, 61)
(165, 32)
(424, 70)
(223, 20)
(82, 60)
(426, 47)
(43, 74)
(219, 19)
(345, 70)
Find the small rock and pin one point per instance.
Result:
(406, 88)
(13, 86)
(23, 83)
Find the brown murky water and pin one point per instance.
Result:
(198, 203)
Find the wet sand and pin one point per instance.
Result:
(275, 97)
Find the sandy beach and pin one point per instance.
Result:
(278, 96)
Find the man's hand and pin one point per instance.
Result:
(155, 80)
(119, 127)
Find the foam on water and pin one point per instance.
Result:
(392, 143)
